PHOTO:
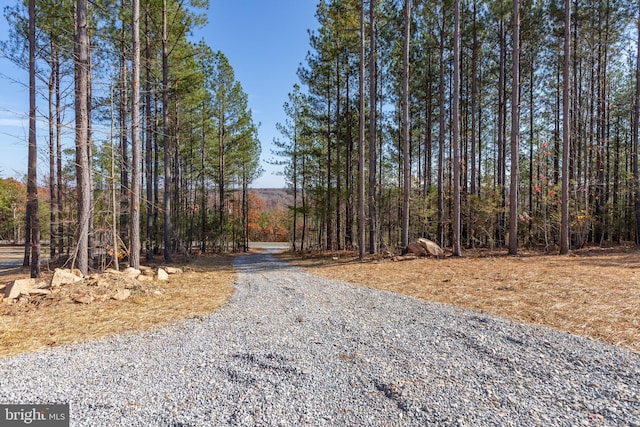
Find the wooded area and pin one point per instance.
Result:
(486, 124)
(473, 124)
(165, 143)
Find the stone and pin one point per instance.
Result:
(416, 249)
(162, 275)
(131, 272)
(19, 287)
(431, 247)
(173, 270)
(41, 285)
(63, 277)
(145, 278)
(122, 295)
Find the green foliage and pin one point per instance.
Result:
(13, 198)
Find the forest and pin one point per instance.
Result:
(165, 146)
(474, 124)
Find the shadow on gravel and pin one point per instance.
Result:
(260, 262)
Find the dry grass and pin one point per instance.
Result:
(205, 286)
(593, 293)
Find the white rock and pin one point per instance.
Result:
(63, 277)
(41, 285)
(173, 270)
(19, 287)
(162, 275)
(122, 294)
(131, 272)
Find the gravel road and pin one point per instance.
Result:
(293, 350)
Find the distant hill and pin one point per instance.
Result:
(274, 198)
(269, 214)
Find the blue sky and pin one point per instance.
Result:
(265, 41)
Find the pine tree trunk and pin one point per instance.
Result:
(636, 124)
(348, 237)
(32, 177)
(515, 133)
(134, 259)
(90, 234)
(221, 184)
(328, 200)
(148, 143)
(501, 168)
(361, 139)
(165, 138)
(457, 250)
(564, 221)
(338, 173)
(203, 196)
(441, 135)
(124, 150)
(52, 156)
(373, 231)
(82, 125)
(60, 234)
(405, 127)
(474, 97)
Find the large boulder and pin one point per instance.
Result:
(431, 247)
(416, 249)
(19, 287)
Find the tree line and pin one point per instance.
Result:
(165, 143)
(475, 124)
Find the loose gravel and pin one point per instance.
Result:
(290, 349)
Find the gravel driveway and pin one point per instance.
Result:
(292, 349)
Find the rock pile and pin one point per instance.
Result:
(73, 285)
